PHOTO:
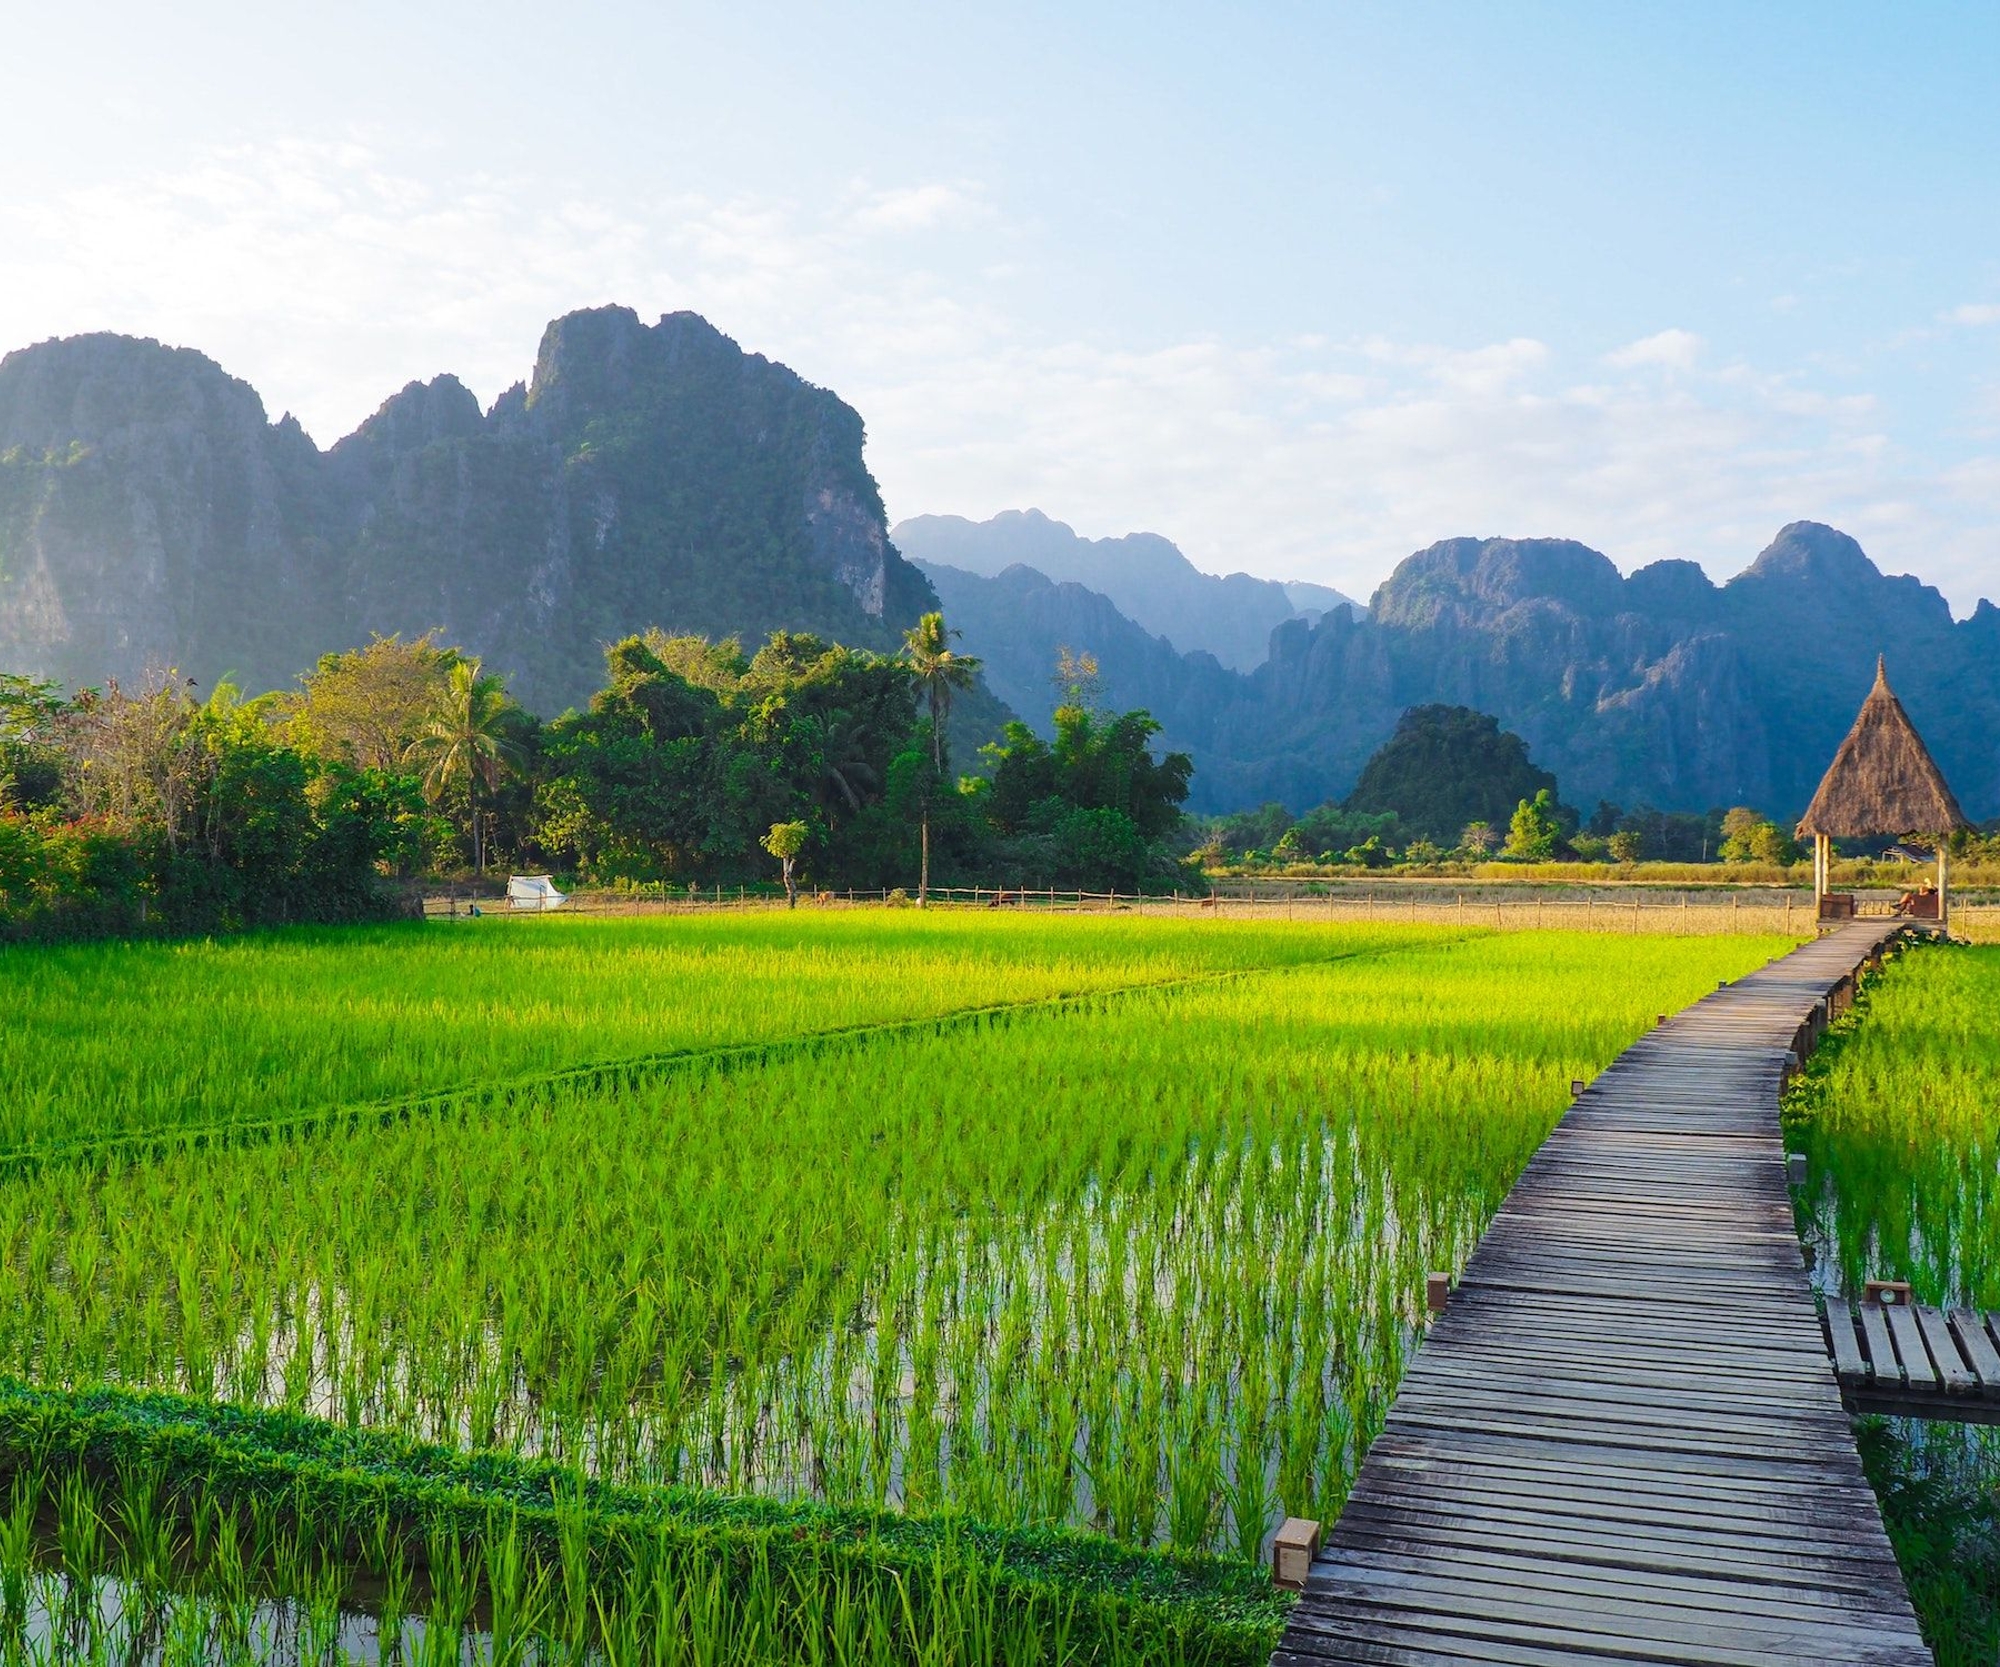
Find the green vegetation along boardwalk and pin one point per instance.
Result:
(1623, 1440)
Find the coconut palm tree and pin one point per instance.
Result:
(940, 671)
(841, 742)
(465, 738)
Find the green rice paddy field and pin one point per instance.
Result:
(873, 1287)
(1899, 1114)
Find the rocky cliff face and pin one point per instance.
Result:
(1661, 688)
(143, 495)
(150, 514)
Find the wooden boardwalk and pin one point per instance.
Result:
(1623, 1440)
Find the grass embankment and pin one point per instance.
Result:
(223, 1523)
(1148, 1267)
(1899, 1114)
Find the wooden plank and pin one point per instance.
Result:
(1695, 1594)
(1848, 1363)
(1951, 1367)
(1978, 1350)
(1885, 1368)
(1911, 1354)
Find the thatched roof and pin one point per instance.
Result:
(1883, 780)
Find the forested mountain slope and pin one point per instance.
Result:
(151, 514)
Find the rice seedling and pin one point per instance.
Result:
(1139, 1274)
(1899, 1115)
(113, 1039)
(1900, 1121)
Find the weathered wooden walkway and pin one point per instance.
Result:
(1623, 1440)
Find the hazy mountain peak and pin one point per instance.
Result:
(1146, 575)
(1815, 552)
(82, 390)
(1468, 577)
(424, 412)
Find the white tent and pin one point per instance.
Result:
(533, 891)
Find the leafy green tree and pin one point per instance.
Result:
(467, 741)
(785, 841)
(178, 814)
(1329, 830)
(1370, 853)
(1749, 837)
(940, 672)
(1534, 832)
(1446, 766)
(364, 706)
(31, 715)
(1244, 831)
(1627, 845)
(691, 751)
(1100, 764)
(635, 787)
(1771, 843)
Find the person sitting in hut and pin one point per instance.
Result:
(1921, 904)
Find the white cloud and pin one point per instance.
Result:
(1669, 349)
(1975, 312)
(328, 278)
(918, 207)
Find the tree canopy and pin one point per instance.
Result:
(1446, 767)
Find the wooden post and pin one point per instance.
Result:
(1821, 874)
(1944, 883)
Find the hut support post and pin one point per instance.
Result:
(1944, 883)
(1820, 874)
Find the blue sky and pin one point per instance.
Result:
(1302, 287)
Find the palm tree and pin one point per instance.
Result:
(940, 671)
(465, 739)
(845, 773)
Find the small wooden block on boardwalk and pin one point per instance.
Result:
(1887, 1293)
(1437, 1291)
(1795, 1169)
(1293, 1551)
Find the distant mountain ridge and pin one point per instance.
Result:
(150, 513)
(1661, 688)
(1146, 576)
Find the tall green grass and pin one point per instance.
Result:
(1152, 1269)
(1900, 1121)
(118, 1039)
(1900, 1117)
(1143, 1269)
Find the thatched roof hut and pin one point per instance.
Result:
(1883, 780)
